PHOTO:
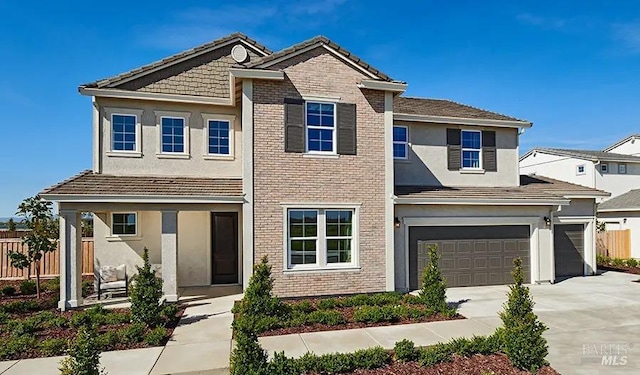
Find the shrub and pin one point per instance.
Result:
(169, 312)
(87, 288)
(339, 362)
(435, 354)
(522, 332)
(376, 314)
(20, 307)
(383, 299)
(405, 351)
(632, 262)
(433, 291)
(8, 291)
(618, 262)
(133, 333)
(247, 357)
(258, 298)
(13, 345)
(302, 306)
(53, 347)
(156, 336)
(84, 355)
(327, 304)
(51, 285)
(4, 317)
(24, 327)
(109, 340)
(114, 318)
(28, 287)
(329, 317)
(602, 259)
(282, 365)
(357, 300)
(146, 294)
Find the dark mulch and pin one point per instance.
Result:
(475, 365)
(609, 267)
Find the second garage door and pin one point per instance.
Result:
(470, 255)
(568, 243)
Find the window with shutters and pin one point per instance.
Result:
(471, 149)
(320, 121)
(400, 142)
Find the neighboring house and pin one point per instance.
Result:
(615, 169)
(225, 153)
(623, 212)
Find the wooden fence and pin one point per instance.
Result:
(50, 264)
(614, 243)
(12, 233)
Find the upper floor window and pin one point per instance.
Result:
(471, 149)
(321, 127)
(219, 137)
(173, 134)
(123, 133)
(400, 142)
(622, 168)
(124, 224)
(580, 169)
(604, 168)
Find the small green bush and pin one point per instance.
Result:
(20, 307)
(28, 287)
(84, 355)
(51, 285)
(602, 260)
(357, 300)
(282, 365)
(435, 354)
(156, 336)
(376, 314)
(25, 327)
(302, 306)
(340, 363)
(618, 262)
(411, 299)
(53, 347)
(405, 351)
(434, 286)
(134, 333)
(169, 312)
(383, 299)
(258, 297)
(114, 318)
(4, 317)
(146, 294)
(109, 340)
(632, 262)
(327, 304)
(329, 317)
(247, 357)
(13, 345)
(8, 291)
(87, 288)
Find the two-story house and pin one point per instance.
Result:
(225, 153)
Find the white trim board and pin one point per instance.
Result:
(483, 201)
(139, 199)
(461, 121)
(179, 98)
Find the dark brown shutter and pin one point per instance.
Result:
(346, 130)
(294, 125)
(454, 150)
(489, 156)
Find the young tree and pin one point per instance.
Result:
(434, 286)
(40, 238)
(84, 354)
(146, 294)
(11, 225)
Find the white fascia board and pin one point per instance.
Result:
(461, 121)
(619, 210)
(621, 142)
(382, 85)
(65, 198)
(586, 195)
(257, 74)
(482, 202)
(124, 94)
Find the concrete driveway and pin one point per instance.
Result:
(589, 318)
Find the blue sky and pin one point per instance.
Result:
(573, 68)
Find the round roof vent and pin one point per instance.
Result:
(239, 53)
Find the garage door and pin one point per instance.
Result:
(470, 255)
(568, 241)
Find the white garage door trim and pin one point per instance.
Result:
(589, 242)
(531, 221)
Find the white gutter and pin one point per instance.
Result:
(124, 94)
(66, 198)
(372, 84)
(461, 121)
(490, 201)
(631, 209)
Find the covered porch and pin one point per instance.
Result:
(194, 240)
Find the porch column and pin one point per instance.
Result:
(170, 255)
(70, 259)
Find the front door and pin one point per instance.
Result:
(224, 247)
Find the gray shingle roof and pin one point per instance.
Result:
(446, 108)
(90, 184)
(593, 155)
(168, 61)
(531, 187)
(627, 201)
(319, 40)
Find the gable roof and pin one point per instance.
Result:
(317, 41)
(629, 201)
(591, 155)
(444, 108)
(179, 57)
(622, 141)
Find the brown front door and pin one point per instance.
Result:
(224, 247)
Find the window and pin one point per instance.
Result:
(173, 134)
(622, 168)
(604, 168)
(123, 133)
(471, 146)
(124, 224)
(400, 142)
(321, 126)
(318, 238)
(219, 137)
(580, 169)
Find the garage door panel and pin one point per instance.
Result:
(568, 240)
(470, 255)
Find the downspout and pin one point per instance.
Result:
(552, 258)
(595, 171)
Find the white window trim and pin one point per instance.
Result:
(334, 145)
(604, 168)
(462, 150)
(108, 119)
(584, 170)
(124, 237)
(321, 245)
(184, 116)
(621, 167)
(406, 144)
(206, 117)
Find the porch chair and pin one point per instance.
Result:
(112, 279)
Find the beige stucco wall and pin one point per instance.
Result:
(149, 163)
(427, 159)
(194, 240)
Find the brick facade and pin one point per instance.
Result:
(293, 178)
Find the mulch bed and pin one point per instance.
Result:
(475, 365)
(625, 269)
